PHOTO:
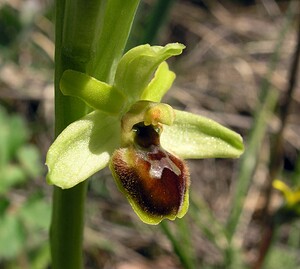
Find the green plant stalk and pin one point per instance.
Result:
(184, 238)
(211, 228)
(79, 30)
(284, 109)
(68, 205)
(247, 168)
(266, 106)
(180, 251)
(271, 223)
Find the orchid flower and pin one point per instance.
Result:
(142, 140)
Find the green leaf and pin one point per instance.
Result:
(96, 94)
(4, 204)
(12, 236)
(13, 134)
(192, 136)
(109, 42)
(29, 158)
(160, 84)
(10, 176)
(19, 134)
(82, 149)
(137, 66)
(36, 213)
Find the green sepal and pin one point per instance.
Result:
(96, 94)
(82, 149)
(196, 137)
(160, 84)
(137, 66)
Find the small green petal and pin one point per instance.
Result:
(93, 92)
(82, 149)
(160, 84)
(137, 66)
(193, 137)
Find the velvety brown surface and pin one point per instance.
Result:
(155, 179)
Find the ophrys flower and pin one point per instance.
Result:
(142, 140)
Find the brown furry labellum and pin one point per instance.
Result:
(155, 181)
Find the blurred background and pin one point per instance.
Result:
(239, 68)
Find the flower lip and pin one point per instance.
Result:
(154, 181)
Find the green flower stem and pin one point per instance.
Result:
(68, 205)
(67, 227)
(82, 45)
